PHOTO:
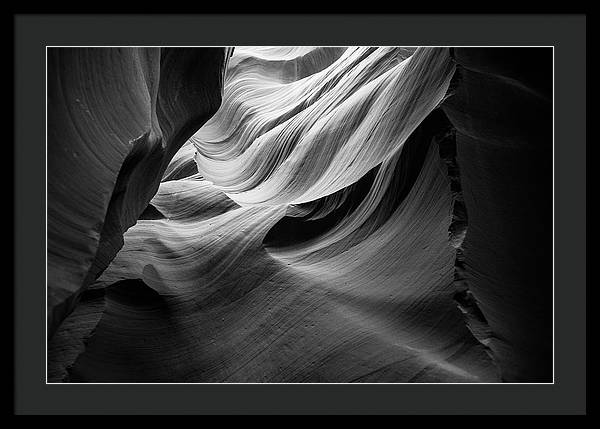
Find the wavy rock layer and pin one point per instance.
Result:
(315, 229)
(116, 117)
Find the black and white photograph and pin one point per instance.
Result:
(299, 214)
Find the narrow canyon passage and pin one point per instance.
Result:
(299, 214)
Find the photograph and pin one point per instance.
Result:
(299, 214)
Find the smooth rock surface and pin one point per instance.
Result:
(116, 117)
(350, 214)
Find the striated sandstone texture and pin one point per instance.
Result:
(299, 214)
(116, 117)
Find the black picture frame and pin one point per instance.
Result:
(567, 33)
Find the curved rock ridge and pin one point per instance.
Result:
(116, 117)
(380, 311)
(389, 187)
(330, 128)
(331, 222)
(283, 64)
(273, 64)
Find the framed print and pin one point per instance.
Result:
(384, 220)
